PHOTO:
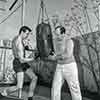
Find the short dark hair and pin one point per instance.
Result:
(24, 28)
(62, 29)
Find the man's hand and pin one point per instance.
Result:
(59, 57)
(22, 61)
(52, 57)
(27, 59)
(32, 55)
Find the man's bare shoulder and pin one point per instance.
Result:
(69, 42)
(16, 41)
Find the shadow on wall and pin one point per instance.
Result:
(77, 58)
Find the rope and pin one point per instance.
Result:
(11, 14)
(39, 15)
(47, 15)
(13, 5)
(43, 12)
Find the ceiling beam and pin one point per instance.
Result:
(13, 4)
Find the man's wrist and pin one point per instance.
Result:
(59, 57)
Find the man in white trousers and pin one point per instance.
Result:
(66, 66)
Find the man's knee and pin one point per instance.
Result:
(75, 87)
(55, 94)
(34, 77)
(55, 90)
(31, 74)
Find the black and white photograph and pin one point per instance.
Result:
(49, 49)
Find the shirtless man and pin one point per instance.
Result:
(20, 64)
(66, 66)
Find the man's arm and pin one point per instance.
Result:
(21, 54)
(68, 51)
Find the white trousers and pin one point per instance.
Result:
(68, 72)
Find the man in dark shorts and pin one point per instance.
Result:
(20, 64)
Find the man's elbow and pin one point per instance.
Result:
(21, 59)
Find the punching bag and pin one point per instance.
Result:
(44, 40)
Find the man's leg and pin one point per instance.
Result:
(20, 81)
(57, 84)
(33, 78)
(71, 76)
(19, 86)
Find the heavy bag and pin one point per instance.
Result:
(44, 40)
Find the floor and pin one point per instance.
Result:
(41, 93)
